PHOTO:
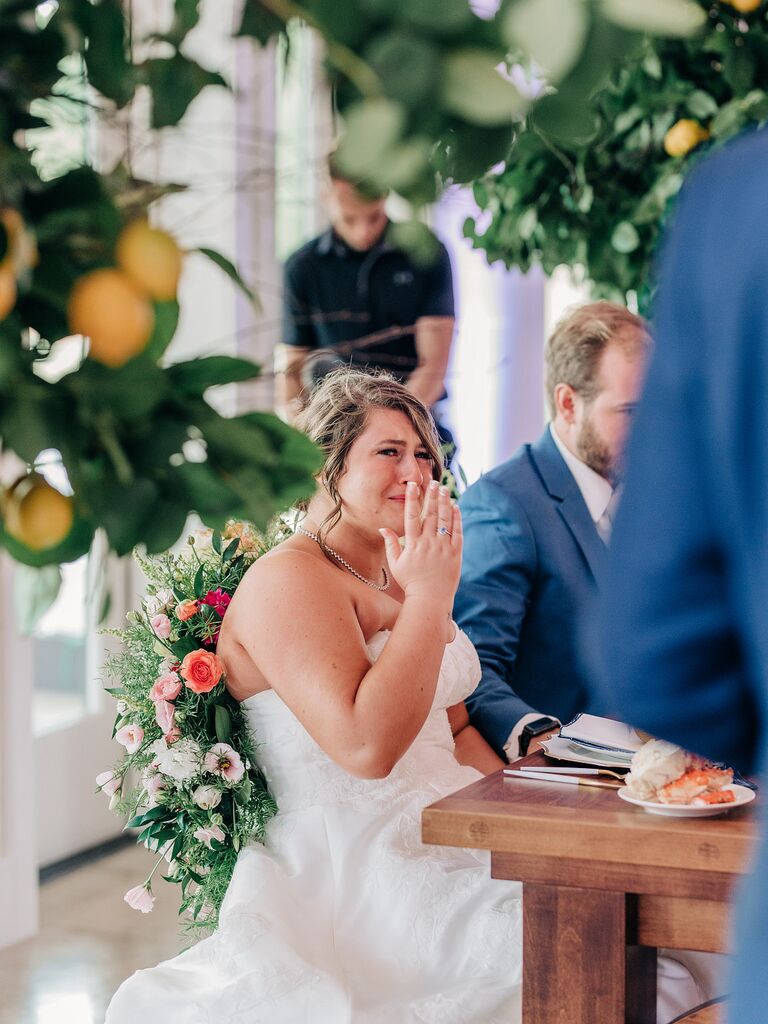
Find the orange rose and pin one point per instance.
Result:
(201, 671)
(185, 610)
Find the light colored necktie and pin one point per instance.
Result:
(605, 523)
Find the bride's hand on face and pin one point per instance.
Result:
(429, 564)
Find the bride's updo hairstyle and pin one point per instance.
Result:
(337, 414)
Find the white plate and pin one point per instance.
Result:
(743, 796)
(566, 750)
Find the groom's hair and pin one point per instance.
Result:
(337, 413)
(572, 354)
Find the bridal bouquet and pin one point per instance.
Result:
(188, 779)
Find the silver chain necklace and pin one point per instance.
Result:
(345, 563)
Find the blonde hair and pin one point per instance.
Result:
(573, 352)
(337, 413)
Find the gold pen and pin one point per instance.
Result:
(568, 780)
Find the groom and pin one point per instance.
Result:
(536, 527)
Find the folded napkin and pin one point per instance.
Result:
(602, 734)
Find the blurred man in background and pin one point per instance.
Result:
(352, 297)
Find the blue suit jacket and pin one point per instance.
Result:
(684, 618)
(531, 558)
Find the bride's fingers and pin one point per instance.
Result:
(412, 514)
(444, 512)
(392, 547)
(429, 512)
(456, 527)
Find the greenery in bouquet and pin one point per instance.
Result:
(189, 779)
(595, 191)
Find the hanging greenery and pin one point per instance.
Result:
(140, 444)
(597, 198)
(427, 95)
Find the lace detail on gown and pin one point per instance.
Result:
(345, 917)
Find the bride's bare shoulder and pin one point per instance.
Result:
(289, 564)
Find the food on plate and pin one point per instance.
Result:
(667, 774)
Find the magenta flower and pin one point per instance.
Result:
(218, 600)
(225, 762)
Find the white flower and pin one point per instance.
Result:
(109, 783)
(122, 707)
(203, 543)
(159, 602)
(180, 761)
(207, 797)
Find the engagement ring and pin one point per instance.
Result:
(443, 531)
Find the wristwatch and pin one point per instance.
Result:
(535, 728)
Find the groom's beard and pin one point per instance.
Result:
(593, 451)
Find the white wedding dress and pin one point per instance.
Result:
(345, 917)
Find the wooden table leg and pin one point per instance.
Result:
(575, 959)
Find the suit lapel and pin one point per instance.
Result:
(564, 490)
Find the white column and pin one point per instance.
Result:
(18, 773)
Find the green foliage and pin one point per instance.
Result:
(600, 201)
(140, 444)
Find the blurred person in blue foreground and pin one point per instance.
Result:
(683, 624)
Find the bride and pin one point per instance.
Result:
(340, 645)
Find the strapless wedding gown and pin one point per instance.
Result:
(345, 917)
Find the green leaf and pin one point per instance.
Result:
(625, 238)
(372, 128)
(416, 239)
(166, 322)
(175, 82)
(109, 69)
(195, 376)
(475, 90)
(223, 724)
(408, 66)
(197, 586)
(186, 14)
(230, 550)
(216, 541)
(528, 24)
(142, 819)
(701, 104)
(35, 591)
(663, 17)
(232, 273)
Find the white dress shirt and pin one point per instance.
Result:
(600, 499)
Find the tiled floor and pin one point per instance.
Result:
(89, 941)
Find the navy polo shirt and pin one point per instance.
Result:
(362, 304)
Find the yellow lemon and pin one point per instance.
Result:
(108, 308)
(38, 515)
(683, 136)
(745, 6)
(7, 291)
(151, 258)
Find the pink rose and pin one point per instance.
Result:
(109, 783)
(131, 737)
(217, 599)
(205, 835)
(201, 671)
(165, 715)
(225, 762)
(140, 898)
(173, 734)
(166, 687)
(185, 610)
(161, 626)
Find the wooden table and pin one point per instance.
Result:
(604, 885)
